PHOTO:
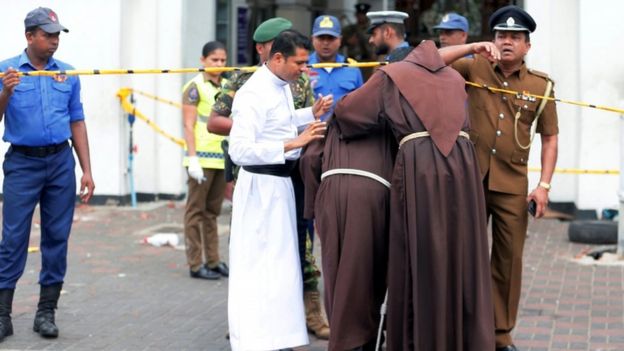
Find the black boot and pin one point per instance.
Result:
(44, 319)
(6, 303)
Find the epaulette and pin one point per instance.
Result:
(540, 74)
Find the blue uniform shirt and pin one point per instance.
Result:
(41, 109)
(338, 82)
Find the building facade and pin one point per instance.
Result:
(575, 42)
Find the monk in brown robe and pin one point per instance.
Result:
(350, 207)
(439, 295)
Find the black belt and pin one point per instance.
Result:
(274, 170)
(40, 151)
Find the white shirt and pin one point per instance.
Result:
(264, 117)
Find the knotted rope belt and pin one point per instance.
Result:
(358, 172)
(426, 134)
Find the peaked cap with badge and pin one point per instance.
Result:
(512, 18)
(326, 25)
(377, 18)
(362, 8)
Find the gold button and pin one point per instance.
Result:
(501, 116)
(504, 98)
(493, 151)
(525, 107)
(505, 84)
(498, 133)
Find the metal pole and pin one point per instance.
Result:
(131, 120)
(620, 246)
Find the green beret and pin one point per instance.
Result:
(270, 28)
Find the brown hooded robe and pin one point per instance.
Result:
(438, 275)
(351, 216)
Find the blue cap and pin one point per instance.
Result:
(326, 25)
(453, 21)
(45, 19)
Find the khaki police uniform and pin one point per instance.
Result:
(503, 164)
(204, 199)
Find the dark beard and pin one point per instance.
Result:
(382, 49)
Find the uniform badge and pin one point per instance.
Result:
(445, 18)
(193, 94)
(52, 16)
(60, 78)
(326, 23)
(511, 22)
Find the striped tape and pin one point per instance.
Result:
(316, 65)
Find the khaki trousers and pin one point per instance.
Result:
(508, 213)
(203, 205)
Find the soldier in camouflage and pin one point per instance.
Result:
(220, 123)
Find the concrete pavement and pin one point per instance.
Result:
(120, 294)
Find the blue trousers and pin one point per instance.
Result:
(51, 182)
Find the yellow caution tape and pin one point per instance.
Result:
(154, 97)
(549, 98)
(123, 94)
(580, 171)
(352, 63)
(32, 249)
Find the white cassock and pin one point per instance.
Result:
(265, 298)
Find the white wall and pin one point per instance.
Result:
(106, 34)
(577, 43)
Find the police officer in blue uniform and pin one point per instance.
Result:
(452, 30)
(41, 114)
(339, 81)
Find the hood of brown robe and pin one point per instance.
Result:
(435, 92)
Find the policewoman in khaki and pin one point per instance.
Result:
(502, 130)
(204, 161)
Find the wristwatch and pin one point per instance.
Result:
(544, 185)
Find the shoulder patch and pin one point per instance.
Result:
(193, 94)
(539, 74)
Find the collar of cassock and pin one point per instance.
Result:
(274, 78)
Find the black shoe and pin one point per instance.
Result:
(44, 318)
(205, 273)
(44, 324)
(6, 327)
(507, 348)
(221, 268)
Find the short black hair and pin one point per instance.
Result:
(31, 29)
(399, 28)
(212, 46)
(288, 41)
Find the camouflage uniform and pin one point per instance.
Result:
(302, 97)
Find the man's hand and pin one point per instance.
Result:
(540, 195)
(486, 49)
(195, 171)
(314, 131)
(322, 105)
(86, 187)
(9, 82)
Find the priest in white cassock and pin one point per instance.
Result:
(265, 308)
